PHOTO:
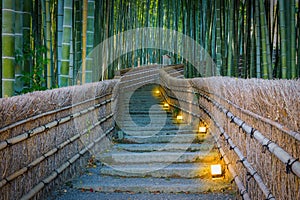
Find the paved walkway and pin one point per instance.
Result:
(71, 190)
(72, 194)
(155, 158)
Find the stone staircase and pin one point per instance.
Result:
(153, 153)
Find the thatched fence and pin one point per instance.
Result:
(45, 137)
(255, 124)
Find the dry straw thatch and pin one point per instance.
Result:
(46, 136)
(255, 123)
(277, 100)
(267, 111)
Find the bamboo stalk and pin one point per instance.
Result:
(18, 43)
(66, 45)
(33, 191)
(272, 147)
(27, 9)
(60, 18)
(90, 39)
(8, 48)
(283, 48)
(218, 37)
(293, 51)
(49, 45)
(84, 39)
(236, 178)
(257, 39)
(265, 43)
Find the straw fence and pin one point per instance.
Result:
(46, 137)
(255, 124)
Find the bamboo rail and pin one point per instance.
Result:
(11, 177)
(56, 158)
(279, 126)
(50, 113)
(64, 166)
(281, 154)
(40, 129)
(172, 86)
(242, 190)
(276, 150)
(270, 145)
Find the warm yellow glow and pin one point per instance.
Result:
(157, 92)
(166, 106)
(179, 117)
(216, 170)
(202, 129)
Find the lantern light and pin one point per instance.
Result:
(166, 106)
(179, 117)
(216, 170)
(202, 129)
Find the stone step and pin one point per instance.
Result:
(159, 170)
(108, 184)
(141, 131)
(179, 138)
(146, 121)
(144, 112)
(126, 157)
(146, 115)
(155, 156)
(141, 96)
(163, 147)
(153, 125)
(143, 108)
(145, 92)
(172, 128)
(144, 98)
(135, 126)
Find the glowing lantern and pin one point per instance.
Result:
(166, 106)
(179, 117)
(202, 129)
(216, 170)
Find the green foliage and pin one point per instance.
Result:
(33, 80)
(175, 111)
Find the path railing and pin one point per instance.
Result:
(45, 137)
(262, 155)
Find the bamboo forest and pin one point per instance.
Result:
(150, 99)
(45, 43)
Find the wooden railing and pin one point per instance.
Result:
(262, 155)
(43, 150)
(45, 137)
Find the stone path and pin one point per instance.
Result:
(154, 158)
